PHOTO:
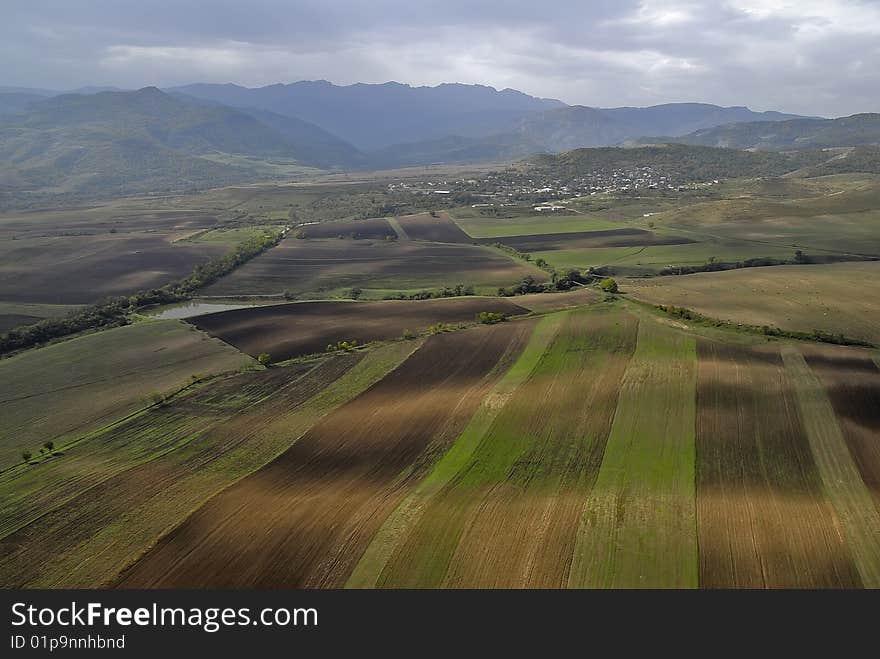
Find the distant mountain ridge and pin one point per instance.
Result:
(794, 134)
(147, 140)
(375, 116)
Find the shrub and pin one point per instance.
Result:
(491, 317)
(609, 285)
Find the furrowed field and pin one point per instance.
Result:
(601, 446)
(573, 439)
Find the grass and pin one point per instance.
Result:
(387, 539)
(103, 503)
(508, 516)
(492, 227)
(843, 483)
(639, 524)
(64, 390)
(835, 297)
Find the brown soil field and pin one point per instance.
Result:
(375, 228)
(440, 229)
(852, 381)
(509, 518)
(83, 269)
(191, 442)
(306, 518)
(291, 330)
(587, 239)
(121, 216)
(541, 302)
(322, 267)
(762, 518)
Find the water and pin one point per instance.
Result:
(192, 309)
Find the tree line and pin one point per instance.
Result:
(115, 311)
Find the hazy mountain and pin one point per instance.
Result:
(372, 117)
(144, 140)
(859, 129)
(682, 118)
(567, 128)
(16, 102)
(678, 160)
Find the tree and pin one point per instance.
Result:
(355, 293)
(609, 285)
(264, 358)
(49, 446)
(26, 456)
(800, 257)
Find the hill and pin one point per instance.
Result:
(147, 141)
(857, 130)
(570, 127)
(686, 162)
(372, 117)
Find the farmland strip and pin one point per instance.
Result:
(852, 382)
(762, 519)
(187, 451)
(509, 517)
(408, 513)
(306, 518)
(847, 491)
(639, 524)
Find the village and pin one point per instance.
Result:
(514, 187)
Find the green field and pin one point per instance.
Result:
(839, 298)
(61, 391)
(490, 227)
(79, 518)
(639, 524)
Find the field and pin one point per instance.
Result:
(762, 516)
(589, 441)
(64, 390)
(491, 227)
(827, 218)
(610, 238)
(13, 314)
(835, 297)
(377, 229)
(80, 518)
(303, 520)
(599, 446)
(301, 328)
(85, 269)
(329, 267)
(439, 229)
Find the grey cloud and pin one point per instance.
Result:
(815, 57)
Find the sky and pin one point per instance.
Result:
(815, 57)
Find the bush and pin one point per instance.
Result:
(609, 285)
(491, 317)
(264, 358)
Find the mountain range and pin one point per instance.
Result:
(99, 140)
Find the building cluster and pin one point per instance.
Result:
(545, 192)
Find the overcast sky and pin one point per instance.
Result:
(805, 56)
